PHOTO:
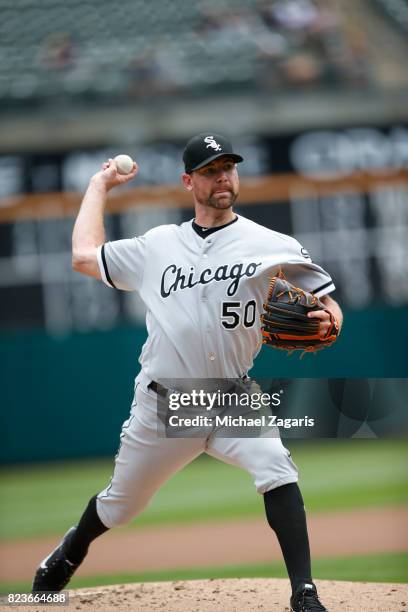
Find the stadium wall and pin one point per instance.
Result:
(63, 398)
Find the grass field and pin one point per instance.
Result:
(373, 568)
(42, 500)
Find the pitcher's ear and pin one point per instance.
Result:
(186, 179)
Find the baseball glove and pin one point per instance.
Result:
(285, 324)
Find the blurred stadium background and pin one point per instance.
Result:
(313, 93)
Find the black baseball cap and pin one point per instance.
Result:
(204, 148)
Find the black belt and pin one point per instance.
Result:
(159, 389)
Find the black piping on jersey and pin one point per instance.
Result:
(323, 287)
(105, 267)
(203, 232)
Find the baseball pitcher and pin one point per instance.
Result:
(204, 284)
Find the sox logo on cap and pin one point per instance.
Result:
(212, 143)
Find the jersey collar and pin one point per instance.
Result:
(203, 232)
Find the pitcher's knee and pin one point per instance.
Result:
(115, 512)
(274, 469)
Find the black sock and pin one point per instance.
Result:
(286, 515)
(89, 527)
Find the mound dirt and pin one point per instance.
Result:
(233, 595)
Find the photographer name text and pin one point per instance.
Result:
(239, 421)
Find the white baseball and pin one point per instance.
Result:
(124, 164)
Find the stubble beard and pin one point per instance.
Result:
(224, 202)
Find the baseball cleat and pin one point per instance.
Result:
(55, 571)
(305, 599)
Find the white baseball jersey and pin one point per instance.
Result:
(204, 295)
